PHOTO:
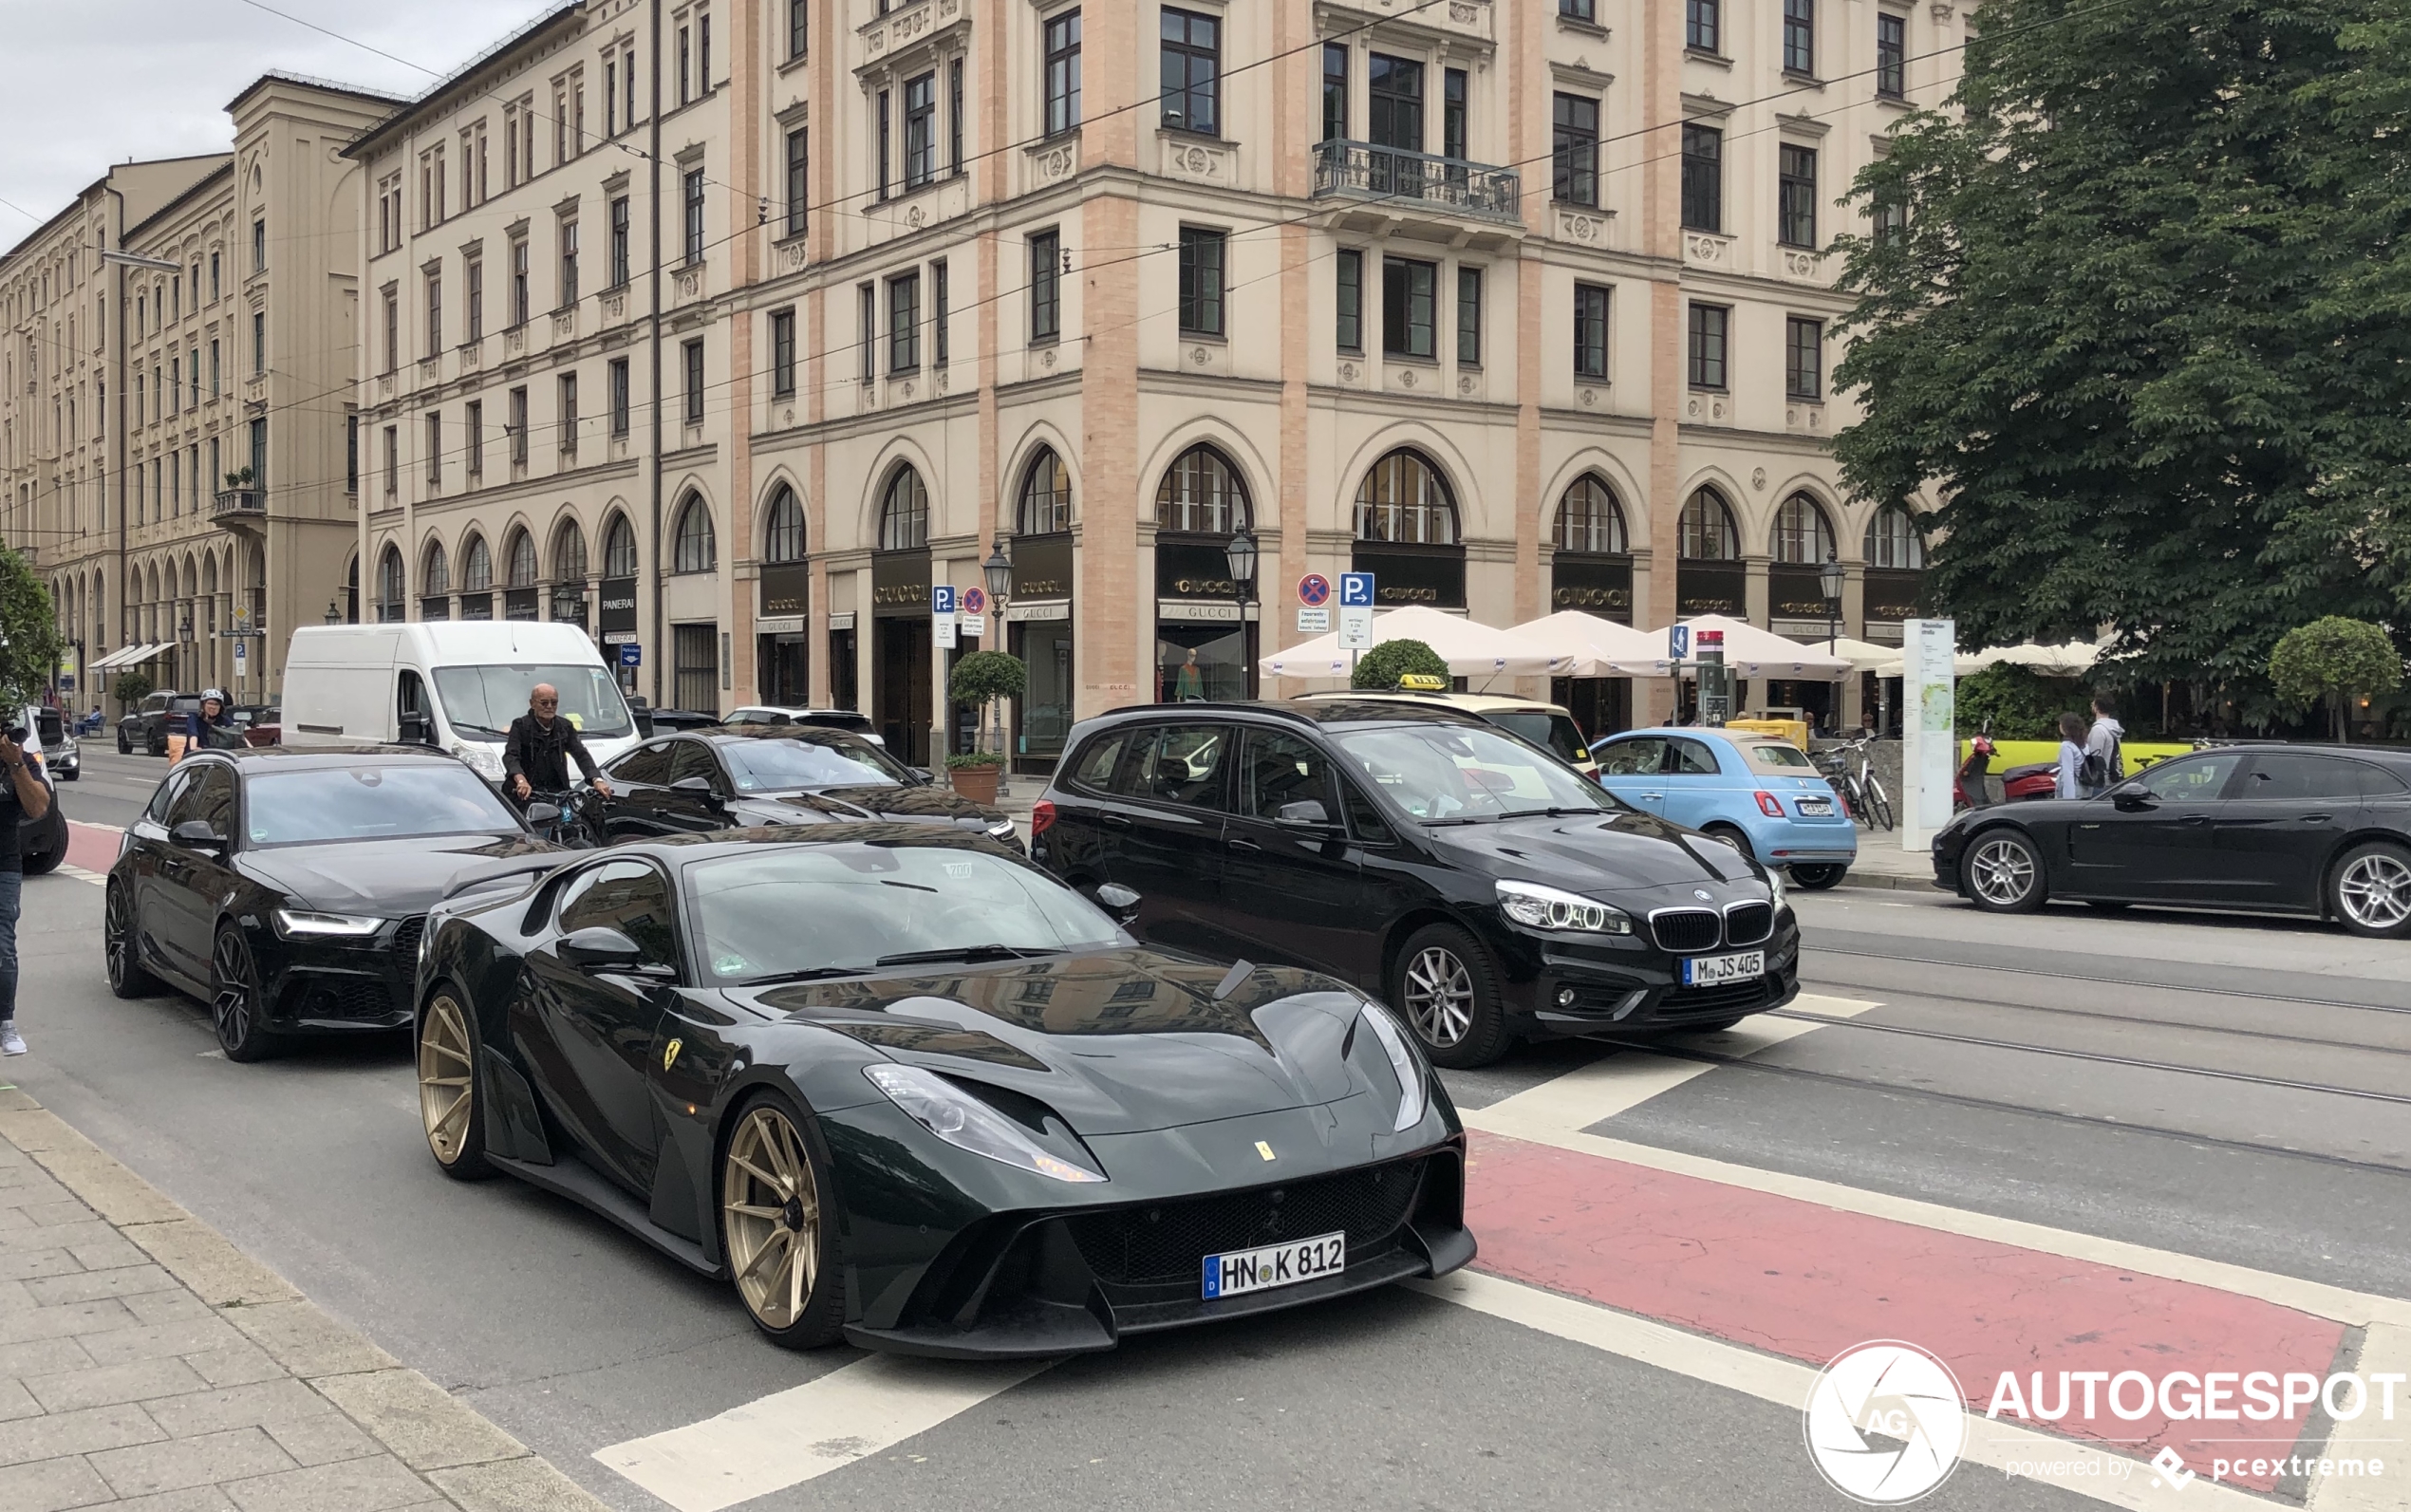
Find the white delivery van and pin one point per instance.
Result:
(454, 684)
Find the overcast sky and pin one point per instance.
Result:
(96, 81)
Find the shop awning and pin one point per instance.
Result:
(126, 656)
(1588, 646)
(2072, 660)
(1470, 648)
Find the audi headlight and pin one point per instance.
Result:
(966, 1123)
(1539, 908)
(1413, 1096)
(483, 760)
(298, 923)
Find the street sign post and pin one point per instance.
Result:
(1678, 642)
(1715, 680)
(941, 614)
(1313, 590)
(631, 655)
(1355, 611)
(1313, 621)
(975, 601)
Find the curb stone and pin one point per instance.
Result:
(459, 1458)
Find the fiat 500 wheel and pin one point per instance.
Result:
(2004, 873)
(1819, 877)
(776, 1235)
(448, 1101)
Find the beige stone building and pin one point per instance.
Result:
(175, 440)
(732, 327)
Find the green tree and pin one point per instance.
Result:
(1382, 667)
(131, 687)
(981, 678)
(2142, 322)
(30, 639)
(2022, 703)
(2337, 660)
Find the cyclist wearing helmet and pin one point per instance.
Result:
(210, 727)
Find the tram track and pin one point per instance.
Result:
(2090, 979)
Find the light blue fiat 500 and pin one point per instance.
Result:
(1761, 793)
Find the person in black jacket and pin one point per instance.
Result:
(210, 727)
(539, 747)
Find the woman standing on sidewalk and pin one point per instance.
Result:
(2071, 756)
(22, 797)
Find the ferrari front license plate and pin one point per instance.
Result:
(1256, 1270)
(1715, 971)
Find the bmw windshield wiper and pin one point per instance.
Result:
(1553, 811)
(987, 952)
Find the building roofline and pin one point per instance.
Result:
(276, 76)
(208, 180)
(560, 18)
(75, 202)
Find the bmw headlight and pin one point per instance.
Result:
(1413, 1096)
(1539, 907)
(965, 1122)
(1775, 884)
(1001, 830)
(295, 924)
(483, 760)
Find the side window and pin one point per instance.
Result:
(2312, 778)
(693, 758)
(2195, 779)
(209, 797)
(628, 896)
(410, 694)
(1565, 738)
(1131, 778)
(1184, 765)
(164, 800)
(1644, 757)
(1281, 767)
(647, 764)
(1690, 759)
(1092, 768)
(1364, 815)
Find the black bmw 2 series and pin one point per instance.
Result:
(901, 1087)
(286, 887)
(1474, 882)
(734, 779)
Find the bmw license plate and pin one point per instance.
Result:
(1256, 1270)
(1715, 971)
(1815, 808)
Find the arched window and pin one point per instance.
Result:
(619, 548)
(1404, 499)
(1708, 528)
(209, 574)
(389, 584)
(476, 567)
(1201, 495)
(436, 578)
(1802, 533)
(568, 554)
(521, 558)
(1893, 539)
(1588, 519)
(903, 513)
(694, 548)
(1046, 496)
(783, 532)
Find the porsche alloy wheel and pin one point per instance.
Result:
(2003, 873)
(447, 1091)
(126, 976)
(771, 1228)
(2372, 891)
(234, 1005)
(1450, 995)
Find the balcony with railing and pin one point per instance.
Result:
(1404, 182)
(238, 508)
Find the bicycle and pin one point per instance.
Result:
(570, 827)
(1861, 791)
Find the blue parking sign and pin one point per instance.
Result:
(1355, 590)
(940, 599)
(631, 653)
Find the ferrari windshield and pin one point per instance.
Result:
(483, 700)
(370, 803)
(811, 758)
(842, 908)
(1456, 774)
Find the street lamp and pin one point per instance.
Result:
(334, 615)
(1830, 578)
(998, 570)
(1241, 552)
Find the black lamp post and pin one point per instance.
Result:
(334, 614)
(1241, 552)
(998, 570)
(1830, 578)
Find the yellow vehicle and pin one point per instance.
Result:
(1549, 726)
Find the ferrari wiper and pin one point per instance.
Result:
(808, 973)
(987, 952)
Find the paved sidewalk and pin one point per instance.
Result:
(147, 1363)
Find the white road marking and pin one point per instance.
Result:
(791, 1437)
(2387, 1347)
(97, 879)
(2112, 1479)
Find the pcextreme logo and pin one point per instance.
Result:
(1885, 1423)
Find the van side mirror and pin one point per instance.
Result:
(415, 728)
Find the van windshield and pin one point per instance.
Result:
(483, 700)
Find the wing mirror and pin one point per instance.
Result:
(415, 728)
(2134, 800)
(702, 786)
(1306, 813)
(543, 813)
(599, 951)
(196, 835)
(921, 775)
(1121, 902)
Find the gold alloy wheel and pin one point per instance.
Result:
(771, 1213)
(444, 1079)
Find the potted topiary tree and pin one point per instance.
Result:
(2335, 660)
(1382, 667)
(980, 679)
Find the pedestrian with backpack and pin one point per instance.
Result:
(2071, 758)
(2104, 763)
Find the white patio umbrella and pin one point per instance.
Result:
(1864, 656)
(1755, 653)
(2072, 660)
(1470, 648)
(1589, 647)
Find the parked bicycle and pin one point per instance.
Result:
(1851, 770)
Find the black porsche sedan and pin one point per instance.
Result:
(901, 1087)
(1473, 881)
(2323, 830)
(737, 779)
(286, 887)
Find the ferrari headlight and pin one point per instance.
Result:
(1412, 1097)
(1529, 904)
(965, 1122)
(297, 923)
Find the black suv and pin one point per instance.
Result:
(147, 726)
(1472, 880)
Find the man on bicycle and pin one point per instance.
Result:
(539, 747)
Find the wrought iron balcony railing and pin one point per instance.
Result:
(1359, 170)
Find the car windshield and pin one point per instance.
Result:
(370, 803)
(811, 758)
(483, 700)
(1442, 772)
(845, 908)
(1550, 731)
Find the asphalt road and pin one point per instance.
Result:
(2234, 1092)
